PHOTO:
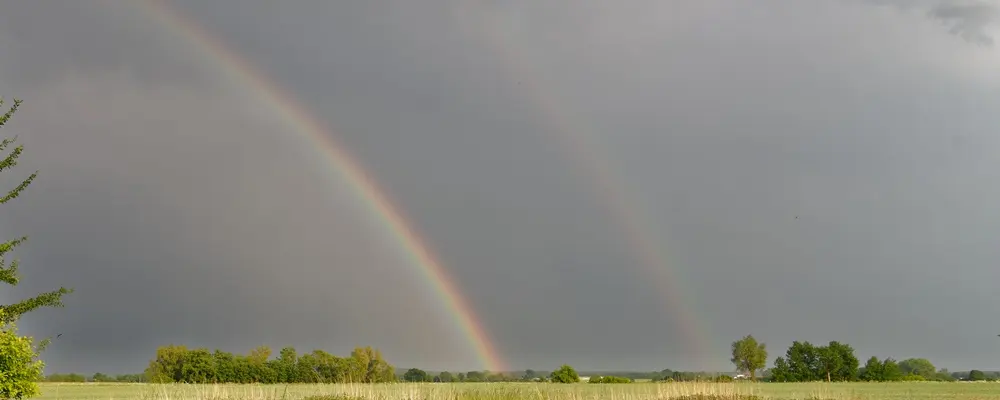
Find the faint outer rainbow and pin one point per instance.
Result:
(338, 159)
(584, 150)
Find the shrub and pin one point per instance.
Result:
(565, 374)
(20, 368)
(610, 379)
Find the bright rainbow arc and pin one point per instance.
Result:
(339, 159)
(583, 148)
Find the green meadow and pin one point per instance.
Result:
(539, 391)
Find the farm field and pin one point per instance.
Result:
(514, 391)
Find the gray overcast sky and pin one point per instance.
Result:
(182, 210)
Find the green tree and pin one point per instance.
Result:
(891, 371)
(199, 367)
(838, 362)
(944, 375)
(829, 361)
(446, 376)
(804, 362)
(918, 366)
(874, 371)
(475, 376)
(21, 367)
(168, 365)
(565, 374)
(781, 371)
(415, 375)
(100, 377)
(529, 375)
(977, 375)
(287, 365)
(259, 355)
(307, 369)
(130, 378)
(749, 356)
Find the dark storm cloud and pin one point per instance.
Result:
(183, 210)
(970, 21)
(191, 216)
(174, 230)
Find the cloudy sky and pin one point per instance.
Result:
(625, 185)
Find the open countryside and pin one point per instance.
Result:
(181, 373)
(428, 199)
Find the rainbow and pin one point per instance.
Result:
(338, 159)
(582, 146)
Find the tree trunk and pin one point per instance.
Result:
(828, 376)
(753, 374)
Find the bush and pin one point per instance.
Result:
(610, 379)
(913, 378)
(565, 374)
(20, 368)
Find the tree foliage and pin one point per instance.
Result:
(804, 362)
(180, 364)
(565, 374)
(749, 356)
(20, 367)
(610, 379)
(918, 366)
(446, 376)
(977, 375)
(416, 375)
(881, 371)
(9, 272)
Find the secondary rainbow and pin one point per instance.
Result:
(338, 159)
(582, 146)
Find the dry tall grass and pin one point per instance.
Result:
(529, 391)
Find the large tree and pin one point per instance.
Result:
(838, 362)
(918, 366)
(19, 355)
(8, 273)
(415, 375)
(749, 356)
(873, 371)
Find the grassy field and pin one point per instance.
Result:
(517, 391)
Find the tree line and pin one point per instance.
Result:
(836, 362)
(802, 362)
(181, 364)
(97, 377)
